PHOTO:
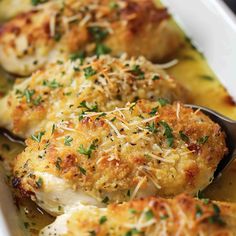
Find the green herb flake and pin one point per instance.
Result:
(92, 108)
(37, 100)
(102, 49)
(164, 217)
(36, 2)
(198, 212)
(183, 136)
(202, 140)
(132, 211)
(53, 128)
(38, 137)
(89, 71)
(149, 215)
(98, 33)
(156, 77)
(137, 72)
(6, 147)
(151, 127)
(163, 102)
(102, 220)
(28, 95)
(68, 140)
(39, 182)
(58, 163)
(26, 225)
(153, 111)
(52, 84)
(168, 133)
(113, 5)
(90, 149)
(78, 55)
(82, 170)
(133, 232)
(113, 119)
(92, 233)
(207, 77)
(105, 200)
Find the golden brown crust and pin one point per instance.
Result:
(59, 28)
(127, 153)
(182, 216)
(59, 89)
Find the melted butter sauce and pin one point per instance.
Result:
(194, 73)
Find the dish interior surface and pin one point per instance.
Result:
(192, 71)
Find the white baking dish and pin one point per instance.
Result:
(212, 27)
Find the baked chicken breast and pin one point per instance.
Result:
(62, 89)
(59, 28)
(183, 216)
(144, 149)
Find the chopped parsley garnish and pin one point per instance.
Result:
(89, 71)
(78, 55)
(58, 163)
(26, 225)
(132, 211)
(202, 140)
(163, 101)
(89, 150)
(28, 95)
(183, 136)
(113, 5)
(101, 115)
(38, 137)
(153, 111)
(164, 217)
(113, 119)
(156, 77)
(102, 49)
(133, 232)
(6, 146)
(92, 233)
(105, 200)
(102, 220)
(92, 108)
(39, 182)
(57, 36)
(149, 215)
(206, 77)
(151, 127)
(36, 2)
(216, 218)
(128, 193)
(52, 84)
(53, 128)
(37, 100)
(199, 211)
(82, 170)
(136, 71)
(98, 33)
(168, 133)
(68, 140)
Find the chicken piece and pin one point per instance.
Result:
(144, 149)
(58, 28)
(183, 216)
(11, 8)
(63, 88)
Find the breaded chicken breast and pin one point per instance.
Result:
(144, 149)
(62, 89)
(10, 8)
(71, 27)
(183, 216)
